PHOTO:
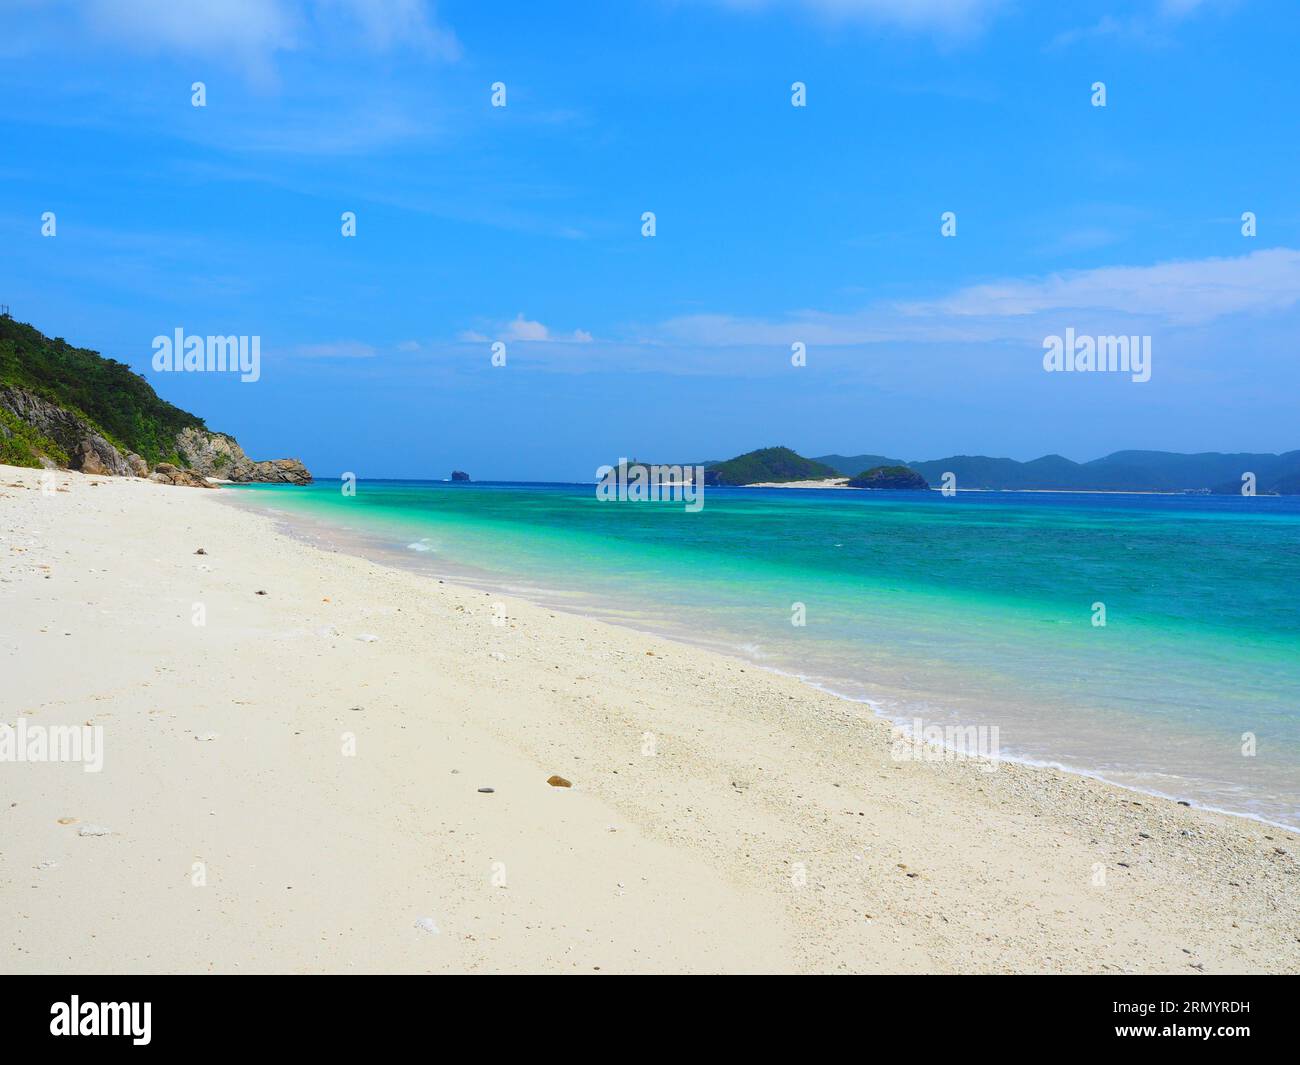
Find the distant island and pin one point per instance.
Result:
(459, 475)
(891, 477)
(1123, 471)
(773, 464)
(63, 407)
(1205, 473)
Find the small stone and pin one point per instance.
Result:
(557, 781)
(67, 820)
(367, 637)
(260, 591)
(94, 830)
(486, 791)
(207, 737)
(200, 551)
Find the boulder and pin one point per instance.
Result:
(87, 460)
(166, 473)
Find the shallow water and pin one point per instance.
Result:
(977, 609)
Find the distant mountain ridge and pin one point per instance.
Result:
(1122, 471)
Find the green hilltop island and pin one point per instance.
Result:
(63, 407)
(895, 478)
(781, 465)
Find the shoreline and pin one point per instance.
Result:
(769, 830)
(366, 544)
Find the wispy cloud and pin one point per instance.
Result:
(1179, 293)
(1183, 292)
(948, 17)
(1151, 27)
(249, 34)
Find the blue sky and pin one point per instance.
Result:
(775, 224)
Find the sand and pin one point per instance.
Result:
(825, 482)
(279, 794)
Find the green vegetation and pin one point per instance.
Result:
(768, 464)
(896, 477)
(1123, 471)
(22, 445)
(117, 402)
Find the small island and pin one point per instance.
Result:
(459, 475)
(769, 465)
(890, 477)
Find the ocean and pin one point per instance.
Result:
(980, 609)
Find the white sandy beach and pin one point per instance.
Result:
(721, 818)
(825, 482)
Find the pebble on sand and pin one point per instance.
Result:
(486, 791)
(557, 781)
(94, 830)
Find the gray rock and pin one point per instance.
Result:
(218, 455)
(166, 473)
(87, 450)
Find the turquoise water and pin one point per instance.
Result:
(976, 609)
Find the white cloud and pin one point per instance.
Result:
(525, 329)
(244, 26)
(1150, 27)
(251, 33)
(391, 24)
(1182, 293)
